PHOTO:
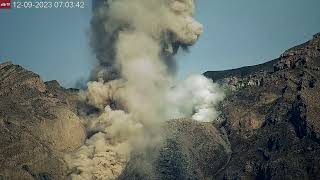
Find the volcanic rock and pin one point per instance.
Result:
(37, 125)
(191, 150)
(271, 115)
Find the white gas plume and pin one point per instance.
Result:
(133, 87)
(195, 97)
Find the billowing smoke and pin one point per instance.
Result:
(168, 22)
(133, 86)
(195, 97)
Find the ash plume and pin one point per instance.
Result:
(169, 22)
(135, 41)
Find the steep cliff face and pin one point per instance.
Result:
(37, 125)
(271, 115)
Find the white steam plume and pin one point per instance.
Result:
(134, 41)
(195, 97)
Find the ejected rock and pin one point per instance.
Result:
(272, 115)
(37, 125)
(191, 150)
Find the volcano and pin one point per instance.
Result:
(269, 126)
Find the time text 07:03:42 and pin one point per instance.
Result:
(47, 4)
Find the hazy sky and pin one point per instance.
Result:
(54, 42)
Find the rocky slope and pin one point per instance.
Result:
(37, 125)
(191, 150)
(271, 115)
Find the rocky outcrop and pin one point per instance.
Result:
(191, 150)
(37, 125)
(271, 115)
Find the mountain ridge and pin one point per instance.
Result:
(269, 126)
(272, 117)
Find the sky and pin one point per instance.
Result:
(55, 43)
